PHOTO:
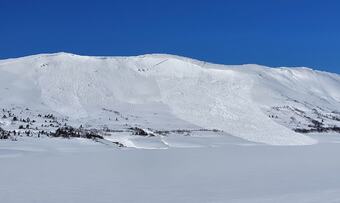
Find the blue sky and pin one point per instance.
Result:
(273, 33)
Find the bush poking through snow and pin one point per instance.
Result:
(141, 132)
(4, 134)
(69, 132)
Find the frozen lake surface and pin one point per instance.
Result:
(59, 170)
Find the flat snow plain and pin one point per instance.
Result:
(53, 170)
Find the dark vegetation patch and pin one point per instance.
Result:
(186, 132)
(318, 130)
(69, 132)
(141, 132)
(4, 134)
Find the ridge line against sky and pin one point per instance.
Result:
(106, 56)
(271, 33)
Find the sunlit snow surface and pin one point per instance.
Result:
(219, 133)
(170, 92)
(53, 170)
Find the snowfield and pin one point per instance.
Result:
(53, 170)
(164, 128)
(165, 92)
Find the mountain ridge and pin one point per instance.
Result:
(165, 55)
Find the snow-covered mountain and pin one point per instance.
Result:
(165, 94)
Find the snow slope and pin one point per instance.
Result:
(158, 91)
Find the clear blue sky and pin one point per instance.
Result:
(268, 32)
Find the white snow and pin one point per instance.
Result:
(235, 99)
(175, 130)
(57, 170)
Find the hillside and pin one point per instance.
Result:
(165, 94)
